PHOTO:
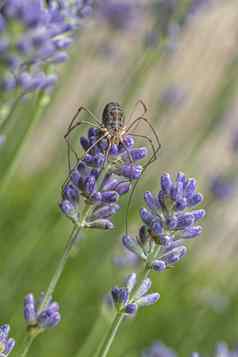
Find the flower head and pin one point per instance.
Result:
(127, 299)
(38, 319)
(6, 344)
(222, 187)
(44, 34)
(100, 178)
(117, 14)
(169, 219)
(158, 349)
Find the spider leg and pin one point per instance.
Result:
(155, 150)
(150, 161)
(140, 101)
(141, 118)
(85, 153)
(74, 124)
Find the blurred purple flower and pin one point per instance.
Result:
(117, 14)
(6, 344)
(43, 37)
(221, 187)
(39, 320)
(158, 349)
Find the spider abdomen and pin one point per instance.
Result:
(113, 118)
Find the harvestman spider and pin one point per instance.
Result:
(112, 127)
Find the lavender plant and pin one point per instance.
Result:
(90, 198)
(169, 220)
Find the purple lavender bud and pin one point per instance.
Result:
(96, 197)
(166, 240)
(122, 188)
(135, 154)
(191, 232)
(195, 200)
(132, 172)
(172, 222)
(131, 282)
(70, 193)
(100, 224)
(190, 188)
(59, 57)
(199, 214)
(110, 196)
(130, 309)
(114, 150)
(143, 288)
(120, 296)
(128, 141)
(185, 220)
(9, 345)
(49, 319)
(156, 227)
(148, 300)
(92, 132)
(75, 177)
(181, 204)
(161, 200)
(94, 160)
(110, 184)
(84, 143)
(181, 178)
(6, 344)
(69, 209)
(149, 199)
(49, 81)
(105, 211)
(30, 314)
(177, 191)
(175, 255)
(166, 183)
(62, 43)
(90, 185)
(132, 245)
(158, 265)
(146, 216)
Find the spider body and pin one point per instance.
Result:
(113, 122)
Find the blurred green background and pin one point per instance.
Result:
(190, 87)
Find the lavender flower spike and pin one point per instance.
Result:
(99, 180)
(6, 344)
(38, 320)
(44, 33)
(169, 220)
(126, 301)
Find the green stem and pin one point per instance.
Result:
(11, 112)
(13, 165)
(53, 282)
(27, 344)
(107, 343)
(60, 267)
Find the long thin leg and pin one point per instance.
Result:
(74, 124)
(151, 160)
(153, 157)
(85, 153)
(150, 126)
(68, 142)
(140, 101)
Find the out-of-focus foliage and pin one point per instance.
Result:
(188, 78)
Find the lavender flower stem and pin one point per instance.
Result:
(27, 344)
(107, 343)
(105, 347)
(60, 267)
(11, 112)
